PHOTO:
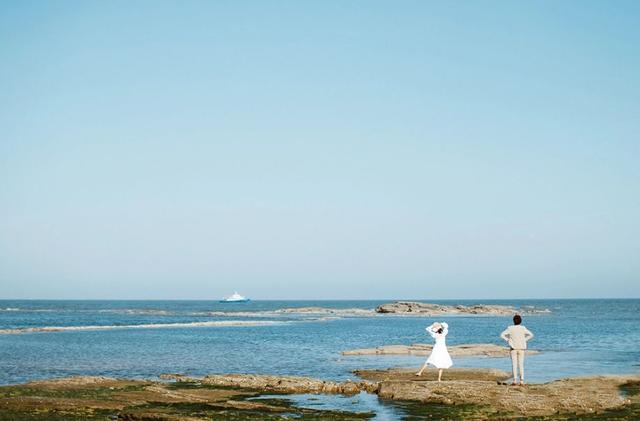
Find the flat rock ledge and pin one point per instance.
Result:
(103, 398)
(493, 375)
(485, 388)
(279, 384)
(429, 309)
(460, 351)
(226, 396)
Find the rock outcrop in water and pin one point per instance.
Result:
(429, 309)
(466, 350)
(280, 384)
(359, 312)
(482, 388)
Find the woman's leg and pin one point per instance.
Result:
(440, 375)
(424, 367)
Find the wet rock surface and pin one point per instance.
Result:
(281, 384)
(409, 374)
(100, 398)
(485, 388)
(463, 394)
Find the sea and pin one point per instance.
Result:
(42, 339)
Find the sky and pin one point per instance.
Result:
(319, 149)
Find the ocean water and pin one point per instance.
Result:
(143, 339)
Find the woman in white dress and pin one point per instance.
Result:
(439, 357)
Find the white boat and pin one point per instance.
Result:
(235, 298)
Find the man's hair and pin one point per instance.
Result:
(517, 319)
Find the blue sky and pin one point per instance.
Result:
(328, 149)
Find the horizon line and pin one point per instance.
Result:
(319, 299)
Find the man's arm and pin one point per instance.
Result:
(505, 335)
(527, 334)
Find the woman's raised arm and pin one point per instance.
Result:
(431, 331)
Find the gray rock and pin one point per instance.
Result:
(280, 384)
(430, 309)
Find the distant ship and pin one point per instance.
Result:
(235, 298)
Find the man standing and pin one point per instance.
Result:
(517, 337)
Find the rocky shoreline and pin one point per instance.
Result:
(464, 394)
(465, 350)
(482, 388)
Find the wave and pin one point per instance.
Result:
(34, 310)
(349, 312)
(311, 311)
(138, 312)
(321, 319)
(237, 313)
(278, 313)
(217, 323)
(134, 312)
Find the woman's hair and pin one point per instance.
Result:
(517, 319)
(439, 331)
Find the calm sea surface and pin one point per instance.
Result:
(143, 339)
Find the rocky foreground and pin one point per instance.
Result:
(465, 350)
(464, 394)
(101, 398)
(430, 309)
(613, 397)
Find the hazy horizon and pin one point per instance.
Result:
(159, 150)
(387, 299)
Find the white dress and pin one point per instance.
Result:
(439, 357)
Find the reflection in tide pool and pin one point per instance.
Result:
(363, 403)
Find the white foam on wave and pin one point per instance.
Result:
(238, 313)
(34, 310)
(295, 311)
(217, 323)
(138, 312)
(347, 312)
(321, 319)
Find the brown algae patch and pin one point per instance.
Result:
(89, 398)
